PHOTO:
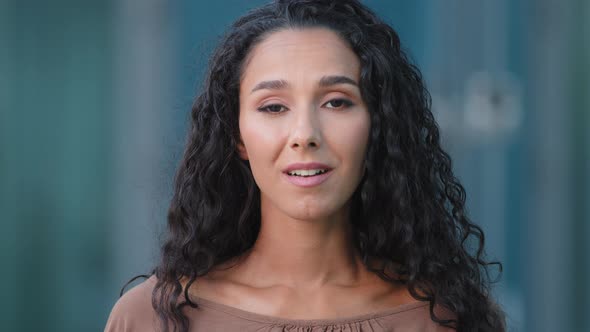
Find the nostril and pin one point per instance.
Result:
(305, 143)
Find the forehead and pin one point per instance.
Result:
(300, 52)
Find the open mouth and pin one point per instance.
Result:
(307, 178)
(307, 172)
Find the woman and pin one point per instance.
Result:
(313, 194)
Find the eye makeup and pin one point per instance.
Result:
(337, 103)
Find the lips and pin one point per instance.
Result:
(306, 167)
(307, 174)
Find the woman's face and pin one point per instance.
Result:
(301, 113)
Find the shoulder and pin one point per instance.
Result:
(134, 311)
(416, 317)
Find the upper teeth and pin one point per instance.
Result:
(307, 172)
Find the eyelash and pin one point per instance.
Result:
(345, 104)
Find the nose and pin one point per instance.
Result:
(306, 131)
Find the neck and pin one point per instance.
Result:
(302, 253)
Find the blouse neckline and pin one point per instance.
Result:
(252, 316)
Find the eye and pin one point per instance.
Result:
(338, 103)
(273, 108)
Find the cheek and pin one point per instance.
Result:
(261, 140)
(359, 138)
(350, 138)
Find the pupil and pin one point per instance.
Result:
(336, 103)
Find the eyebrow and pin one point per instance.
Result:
(325, 81)
(334, 80)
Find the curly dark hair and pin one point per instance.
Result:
(408, 211)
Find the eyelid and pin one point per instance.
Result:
(346, 103)
(265, 108)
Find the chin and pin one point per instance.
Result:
(313, 210)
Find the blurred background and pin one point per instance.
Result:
(94, 103)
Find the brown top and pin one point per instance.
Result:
(133, 312)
